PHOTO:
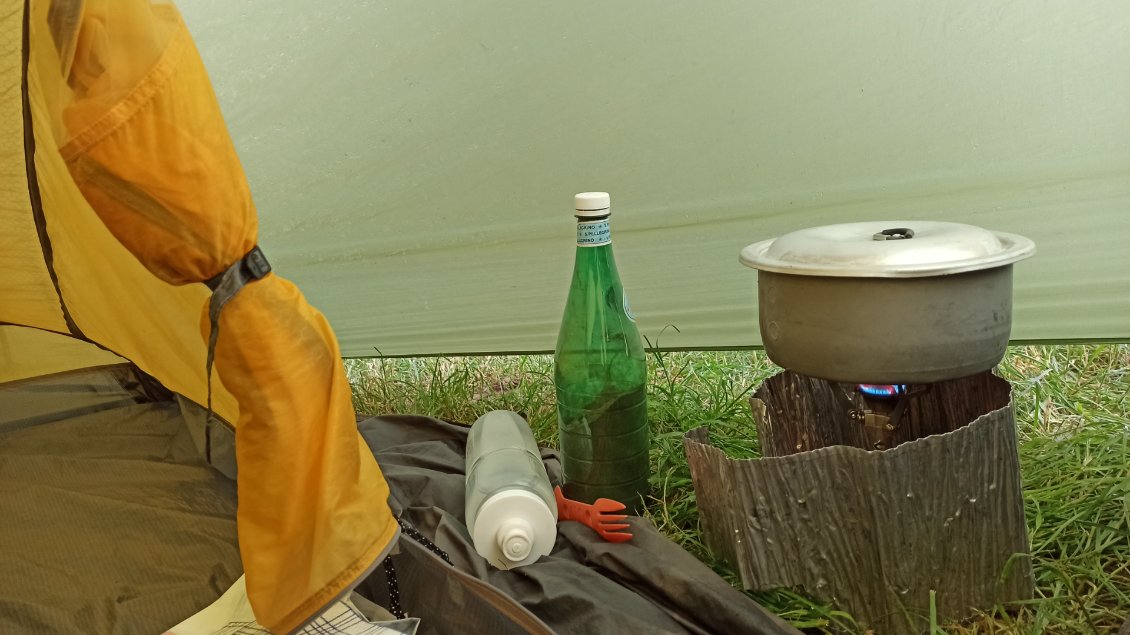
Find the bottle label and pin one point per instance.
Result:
(593, 233)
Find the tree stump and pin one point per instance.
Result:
(873, 530)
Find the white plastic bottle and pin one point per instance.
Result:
(511, 511)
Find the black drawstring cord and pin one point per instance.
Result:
(390, 569)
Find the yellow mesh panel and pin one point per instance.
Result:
(27, 352)
(26, 293)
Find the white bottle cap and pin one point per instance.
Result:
(514, 528)
(592, 203)
(515, 539)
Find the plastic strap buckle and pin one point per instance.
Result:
(252, 266)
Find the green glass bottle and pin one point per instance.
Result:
(600, 372)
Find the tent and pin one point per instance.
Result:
(421, 160)
(124, 207)
(418, 161)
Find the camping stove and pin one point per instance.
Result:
(887, 333)
(880, 409)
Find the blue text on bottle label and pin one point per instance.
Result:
(593, 233)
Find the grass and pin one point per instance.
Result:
(1071, 408)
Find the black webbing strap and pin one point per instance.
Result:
(253, 266)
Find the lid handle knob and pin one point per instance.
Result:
(896, 233)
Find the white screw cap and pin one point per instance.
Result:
(515, 539)
(592, 203)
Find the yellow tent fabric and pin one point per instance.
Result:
(26, 288)
(145, 141)
(132, 195)
(318, 518)
(27, 352)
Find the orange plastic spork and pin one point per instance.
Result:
(600, 516)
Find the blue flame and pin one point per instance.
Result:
(877, 390)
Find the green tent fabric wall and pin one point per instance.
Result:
(419, 159)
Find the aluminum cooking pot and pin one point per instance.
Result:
(887, 302)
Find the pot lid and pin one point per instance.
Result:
(887, 249)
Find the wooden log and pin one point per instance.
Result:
(873, 531)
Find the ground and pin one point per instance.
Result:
(1072, 410)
